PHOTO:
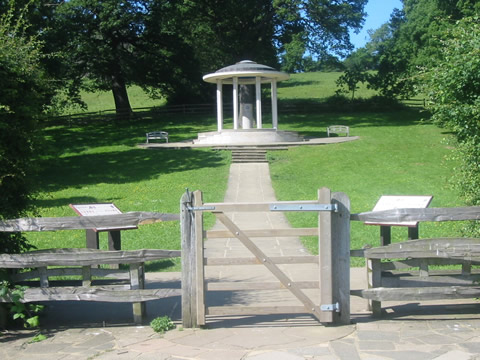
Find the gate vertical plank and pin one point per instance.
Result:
(199, 261)
(325, 254)
(341, 256)
(189, 301)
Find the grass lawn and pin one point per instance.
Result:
(316, 86)
(100, 162)
(103, 100)
(397, 154)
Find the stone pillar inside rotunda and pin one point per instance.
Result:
(246, 96)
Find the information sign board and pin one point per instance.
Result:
(389, 202)
(99, 210)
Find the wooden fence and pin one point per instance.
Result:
(90, 283)
(400, 271)
(408, 271)
(334, 261)
(208, 109)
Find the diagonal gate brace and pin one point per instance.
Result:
(274, 269)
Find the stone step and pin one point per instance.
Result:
(249, 155)
(237, 161)
(239, 158)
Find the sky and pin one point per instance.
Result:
(378, 13)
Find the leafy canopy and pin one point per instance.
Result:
(452, 87)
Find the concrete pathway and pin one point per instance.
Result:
(102, 331)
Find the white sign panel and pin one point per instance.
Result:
(95, 209)
(99, 210)
(389, 202)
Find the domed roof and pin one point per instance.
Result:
(246, 71)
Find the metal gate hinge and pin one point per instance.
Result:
(304, 207)
(330, 307)
(200, 208)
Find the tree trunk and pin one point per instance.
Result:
(120, 95)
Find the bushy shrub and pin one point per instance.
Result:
(24, 93)
(453, 87)
(162, 324)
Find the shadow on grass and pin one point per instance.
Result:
(315, 124)
(92, 150)
(65, 201)
(91, 131)
(161, 265)
(118, 167)
(294, 83)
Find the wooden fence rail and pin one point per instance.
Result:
(206, 108)
(85, 222)
(75, 257)
(428, 214)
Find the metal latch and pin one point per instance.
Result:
(330, 307)
(304, 207)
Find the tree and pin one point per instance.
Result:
(322, 26)
(24, 95)
(221, 33)
(271, 30)
(412, 42)
(98, 40)
(350, 78)
(452, 85)
(166, 46)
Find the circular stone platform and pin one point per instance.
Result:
(247, 136)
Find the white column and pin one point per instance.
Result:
(235, 103)
(219, 105)
(258, 93)
(274, 104)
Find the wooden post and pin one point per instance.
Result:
(341, 258)
(466, 268)
(114, 243)
(114, 240)
(413, 232)
(92, 239)
(199, 261)
(374, 269)
(189, 293)
(137, 281)
(43, 276)
(325, 255)
(385, 235)
(86, 276)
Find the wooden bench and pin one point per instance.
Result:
(338, 129)
(86, 281)
(157, 135)
(403, 271)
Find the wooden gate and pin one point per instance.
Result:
(333, 261)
